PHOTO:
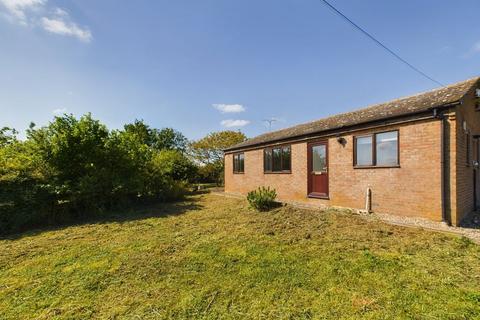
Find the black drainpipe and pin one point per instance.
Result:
(443, 171)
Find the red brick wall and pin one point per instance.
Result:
(464, 173)
(414, 189)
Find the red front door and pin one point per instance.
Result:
(318, 170)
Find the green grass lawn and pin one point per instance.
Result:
(212, 257)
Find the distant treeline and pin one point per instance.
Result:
(75, 169)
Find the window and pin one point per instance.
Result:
(387, 148)
(364, 151)
(277, 159)
(319, 158)
(267, 160)
(379, 149)
(286, 158)
(239, 163)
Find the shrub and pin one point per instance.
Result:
(75, 169)
(262, 199)
(211, 173)
(167, 175)
(174, 164)
(176, 190)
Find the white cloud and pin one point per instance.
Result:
(229, 108)
(37, 13)
(18, 8)
(59, 111)
(234, 123)
(60, 12)
(67, 28)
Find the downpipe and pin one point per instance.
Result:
(443, 171)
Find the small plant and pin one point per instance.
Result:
(262, 199)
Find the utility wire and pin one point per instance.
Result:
(380, 43)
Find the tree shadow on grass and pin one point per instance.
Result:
(137, 212)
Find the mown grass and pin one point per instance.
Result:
(211, 257)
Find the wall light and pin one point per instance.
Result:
(342, 141)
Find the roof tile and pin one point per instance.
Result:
(403, 106)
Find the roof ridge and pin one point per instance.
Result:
(373, 105)
(406, 97)
(416, 103)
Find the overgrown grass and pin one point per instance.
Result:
(212, 257)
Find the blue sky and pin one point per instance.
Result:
(202, 66)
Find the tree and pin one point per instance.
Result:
(174, 164)
(209, 149)
(74, 147)
(74, 167)
(7, 136)
(141, 131)
(76, 154)
(170, 139)
(166, 138)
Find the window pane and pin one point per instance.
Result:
(235, 163)
(363, 151)
(387, 148)
(286, 161)
(267, 160)
(277, 159)
(242, 162)
(319, 158)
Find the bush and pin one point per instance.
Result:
(211, 173)
(176, 190)
(76, 169)
(262, 199)
(174, 164)
(167, 176)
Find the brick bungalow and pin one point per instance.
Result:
(414, 156)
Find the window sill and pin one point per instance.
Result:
(277, 172)
(376, 167)
(239, 173)
(318, 196)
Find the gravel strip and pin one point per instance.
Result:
(472, 232)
